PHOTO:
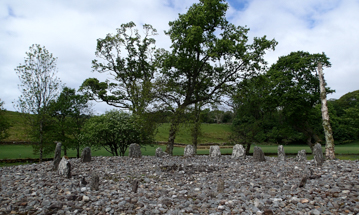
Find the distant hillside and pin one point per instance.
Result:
(17, 131)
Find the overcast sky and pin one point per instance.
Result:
(69, 29)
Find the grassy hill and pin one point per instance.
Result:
(211, 133)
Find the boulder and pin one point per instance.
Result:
(65, 167)
(258, 154)
(188, 151)
(134, 151)
(95, 182)
(160, 153)
(214, 151)
(318, 155)
(57, 156)
(302, 156)
(238, 152)
(281, 153)
(86, 155)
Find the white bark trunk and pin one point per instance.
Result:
(329, 146)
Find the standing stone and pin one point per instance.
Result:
(57, 156)
(86, 155)
(238, 152)
(65, 167)
(258, 154)
(160, 153)
(134, 151)
(220, 186)
(281, 153)
(302, 156)
(318, 155)
(188, 151)
(214, 151)
(134, 186)
(95, 182)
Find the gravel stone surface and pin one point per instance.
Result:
(178, 185)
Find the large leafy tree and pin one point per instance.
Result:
(208, 53)
(129, 59)
(4, 123)
(39, 86)
(114, 131)
(295, 90)
(70, 111)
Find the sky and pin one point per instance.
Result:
(69, 29)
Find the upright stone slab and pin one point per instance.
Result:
(214, 151)
(318, 155)
(281, 153)
(134, 151)
(86, 155)
(258, 154)
(65, 167)
(95, 182)
(188, 151)
(238, 152)
(57, 156)
(302, 156)
(160, 153)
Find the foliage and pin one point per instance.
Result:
(114, 131)
(70, 112)
(294, 87)
(208, 54)
(39, 86)
(4, 123)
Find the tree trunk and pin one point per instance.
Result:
(248, 148)
(329, 140)
(78, 152)
(196, 128)
(65, 150)
(171, 138)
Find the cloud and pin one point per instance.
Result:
(69, 30)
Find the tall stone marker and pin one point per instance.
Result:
(281, 153)
(214, 152)
(318, 155)
(134, 151)
(86, 155)
(65, 167)
(238, 152)
(302, 156)
(57, 156)
(95, 182)
(258, 154)
(188, 151)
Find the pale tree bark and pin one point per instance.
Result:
(329, 145)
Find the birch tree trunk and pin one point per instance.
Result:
(329, 145)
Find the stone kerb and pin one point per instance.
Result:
(134, 151)
(86, 155)
(214, 151)
(258, 154)
(57, 156)
(318, 155)
(65, 167)
(188, 151)
(238, 152)
(302, 156)
(160, 153)
(281, 153)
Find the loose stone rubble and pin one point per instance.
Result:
(178, 185)
(238, 152)
(86, 155)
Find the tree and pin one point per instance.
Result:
(39, 86)
(295, 90)
(70, 111)
(114, 131)
(208, 54)
(130, 61)
(4, 123)
(328, 133)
